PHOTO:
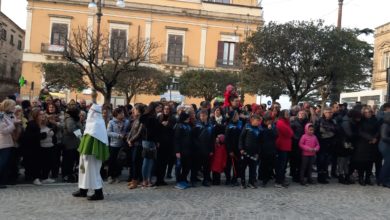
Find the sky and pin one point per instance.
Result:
(356, 13)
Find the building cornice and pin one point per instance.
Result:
(178, 11)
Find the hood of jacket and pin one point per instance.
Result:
(307, 128)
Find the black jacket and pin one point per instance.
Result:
(32, 137)
(268, 141)
(368, 130)
(349, 136)
(204, 138)
(250, 140)
(298, 126)
(232, 137)
(183, 139)
(167, 132)
(151, 128)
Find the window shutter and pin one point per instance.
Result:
(237, 54)
(220, 52)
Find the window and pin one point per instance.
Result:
(4, 34)
(386, 60)
(118, 43)
(175, 49)
(227, 53)
(19, 45)
(3, 68)
(11, 41)
(59, 34)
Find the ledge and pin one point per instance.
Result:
(176, 28)
(60, 16)
(119, 22)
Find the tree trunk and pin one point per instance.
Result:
(294, 99)
(107, 96)
(129, 97)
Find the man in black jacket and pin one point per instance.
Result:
(249, 146)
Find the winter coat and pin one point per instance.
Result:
(232, 136)
(152, 128)
(268, 141)
(183, 140)
(167, 131)
(134, 136)
(69, 139)
(115, 130)
(219, 158)
(349, 136)
(32, 137)
(298, 126)
(204, 137)
(326, 132)
(219, 125)
(7, 127)
(250, 140)
(385, 132)
(309, 143)
(368, 130)
(285, 135)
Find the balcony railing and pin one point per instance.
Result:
(54, 49)
(175, 60)
(234, 64)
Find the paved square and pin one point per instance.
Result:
(297, 202)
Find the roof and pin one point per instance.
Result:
(12, 22)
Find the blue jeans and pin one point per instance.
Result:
(147, 166)
(385, 171)
(281, 162)
(4, 158)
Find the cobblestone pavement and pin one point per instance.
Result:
(331, 202)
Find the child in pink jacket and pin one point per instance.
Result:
(309, 146)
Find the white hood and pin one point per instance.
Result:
(95, 125)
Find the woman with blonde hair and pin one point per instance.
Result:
(7, 127)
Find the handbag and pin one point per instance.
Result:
(122, 157)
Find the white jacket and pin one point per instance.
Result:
(7, 127)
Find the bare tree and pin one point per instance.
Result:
(116, 57)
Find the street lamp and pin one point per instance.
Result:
(99, 14)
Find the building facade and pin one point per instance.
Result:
(190, 33)
(381, 56)
(11, 52)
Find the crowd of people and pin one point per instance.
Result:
(211, 145)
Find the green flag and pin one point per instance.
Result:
(22, 81)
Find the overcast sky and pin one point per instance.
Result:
(356, 13)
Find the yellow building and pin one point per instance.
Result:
(381, 56)
(191, 33)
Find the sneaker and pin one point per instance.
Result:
(48, 181)
(3, 186)
(243, 186)
(180, 186)
(117, 180)
(283, 185)
(264, 184)
(252, 186)
(37, 182)
(206, 183)
(303, 183)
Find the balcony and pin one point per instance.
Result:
(52, 49)
(174, 60)
(228, 64)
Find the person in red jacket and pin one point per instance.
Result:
(219, 159)
(283, 145)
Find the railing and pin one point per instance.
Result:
(49, 48)
(234, 64)
(175, 60)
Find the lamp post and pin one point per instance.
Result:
(99, 14)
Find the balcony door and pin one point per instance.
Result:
(175, 49)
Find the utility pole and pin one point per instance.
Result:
(334, 91)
